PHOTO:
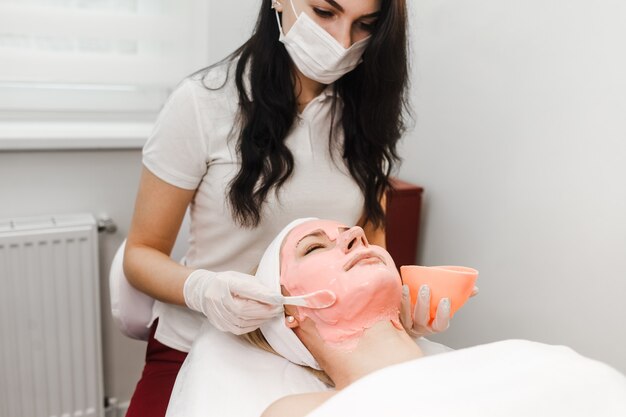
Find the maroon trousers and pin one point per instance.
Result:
(153, 390)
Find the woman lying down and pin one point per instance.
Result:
(359, 333)
(373, 367)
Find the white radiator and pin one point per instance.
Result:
(50, 350)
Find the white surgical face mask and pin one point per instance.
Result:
(316, 53)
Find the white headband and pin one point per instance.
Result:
(280, 337)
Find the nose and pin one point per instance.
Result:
(344, 36)
(352, 238)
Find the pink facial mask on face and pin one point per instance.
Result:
(362, 276)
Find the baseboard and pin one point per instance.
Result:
(115, 408)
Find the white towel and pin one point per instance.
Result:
(280, 337)
(513, 378)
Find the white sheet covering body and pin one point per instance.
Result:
(513, 378)
(225, 376)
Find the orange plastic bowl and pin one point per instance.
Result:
(453, 282)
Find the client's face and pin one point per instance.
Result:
(324, 254)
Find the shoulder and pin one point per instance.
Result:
(211, 91)
(217, 78)
(297, 405)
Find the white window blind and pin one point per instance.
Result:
(113, 56)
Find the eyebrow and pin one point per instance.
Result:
(341, 9)
(374, 14)
(335, 5)
(318, 232)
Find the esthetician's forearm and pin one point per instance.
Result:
(159, 211)
(155, 274)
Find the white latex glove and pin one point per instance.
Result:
(232, 301)
(418, 324)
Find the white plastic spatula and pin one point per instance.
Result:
(318, 299)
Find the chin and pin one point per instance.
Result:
(379, 270)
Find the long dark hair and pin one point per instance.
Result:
(372, 114)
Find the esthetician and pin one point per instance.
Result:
(302, 120)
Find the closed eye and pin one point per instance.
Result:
(368, 26)
(325, 14)
(313, 247)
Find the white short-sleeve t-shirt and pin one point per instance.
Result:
(193, 146)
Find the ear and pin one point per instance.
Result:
(278, 6)
(291, 322)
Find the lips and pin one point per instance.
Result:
(366, 254)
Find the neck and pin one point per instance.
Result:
(380, 346)
(306, 90)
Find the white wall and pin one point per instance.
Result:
(105, 181)
(231, 25)
(38, 183)
(520, 143)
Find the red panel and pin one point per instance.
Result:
(404, 203)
